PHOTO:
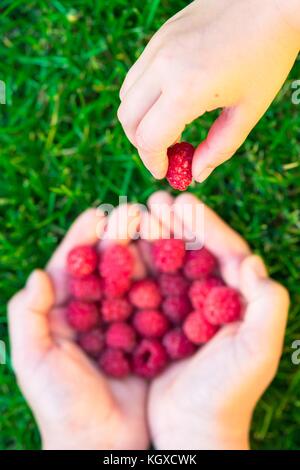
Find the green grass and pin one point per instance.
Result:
(62, 149)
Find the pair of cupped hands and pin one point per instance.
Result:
(204, 402)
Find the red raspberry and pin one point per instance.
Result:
(115, 310)
(120, 336)
(168, 254)
(222, 305)
(145, 294)
(177, 345)
(200, 290)
(116, 287)
(82, 316)
(115, 363)
(172, 284)
(92, 342)
(179, 173)
(117, 261)
(176, 308)
(150, 323)
(82, 260)
(199, 263)
(149, 358)
(86, 288)
(197, 329)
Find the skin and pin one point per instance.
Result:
(224, 380)
(232, 55)
(188, 406)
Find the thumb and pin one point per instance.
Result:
(267, 308)
(226, 135)
(28, 320)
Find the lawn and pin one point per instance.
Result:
(62, 150)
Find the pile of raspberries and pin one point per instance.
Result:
(140, 326)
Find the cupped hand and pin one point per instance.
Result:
(229, 54)
(207, 401)
(76, 407)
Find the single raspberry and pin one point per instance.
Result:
(222, 305)
(150, 323)
(177, 345)
(176, 308)
(172, 284)
(168, 254)
(120, 335)
(86, 288)
(197, 329)
(82, 316)
(200, 289)
(82, 260)
(199, 263)
(117, 261)
(116, 286)
(179, 173)
(145, 294)
(149, 358)
(115, 309)
(114, 363)
(92, 342)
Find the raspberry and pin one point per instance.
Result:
(115, 310)
(200, 290)
(168, 254)
(149, 358)
(176, 308)
(82, 260)
(199, 263)
(115, 363)
(145, 294)
(177, 345)
(116, 287)
(150, 323)
(92, 342)
(197, 329)
(179, 173)
(82, 316)
(117, 261)
(172, 284)
(86, 288)
(222, 305)
(120, 336)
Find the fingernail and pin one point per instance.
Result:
(204, 174)
(259, 267)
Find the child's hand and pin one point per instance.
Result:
(206, 402)
(229, 54)
(76, 407)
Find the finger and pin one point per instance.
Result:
(122, 228)
(139, 67)
(205, 227)
(137, 102)
(29, 322)
(86, 230)
(157, 223)
(122, 225)
(161, 207)
(154, 226)
(226, 135)
(267, 309)
(159, 129)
